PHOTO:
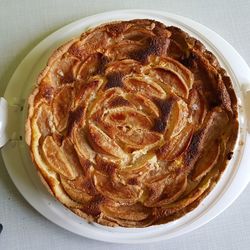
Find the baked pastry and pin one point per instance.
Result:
(132, 123)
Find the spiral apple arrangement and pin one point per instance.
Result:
(132, 124)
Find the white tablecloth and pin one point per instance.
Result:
(22, 25)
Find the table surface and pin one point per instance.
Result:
(25, 23)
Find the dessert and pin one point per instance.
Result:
(132, 123)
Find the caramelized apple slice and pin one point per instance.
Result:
(178, 205)
(144, 104)
(122, 50)
(105, 165)
(137, 138)
(61, 107)
(197, 107)
(81, 144)
(74, 191)
(161, 194)
(137, 34)
(87, 92)
(175, 51)
(94, 64)
(175, 146)
(116, 102)
(175, 67)
(125, 66)
(113, 222)
(104, 143)
(206, 162)
(91, 208)
(133, 175)
(63, 159)
(131, 127)
(213, 127)
(42, 119)
(99, 103)
(144, 86)
(142, 164)
(128, 116)
(178, 119)
(89, 44)
(135, 212)
(62, 71)
(115, 191)
(175, 83)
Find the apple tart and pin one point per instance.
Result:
(132, 123)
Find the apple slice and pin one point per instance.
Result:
(175, 146)
(102, 100)
(163, 193)
(183, 203)
(63, 159)
(128, 116)
(116, 191)
(125, 66)
(144, 86)
(173, 81)
(144, 104)
(61, 106)
(101, 141)
(87, 91)
(184, 80)
(206, 162)
(134, 174)
(89, 44)
(137, 138)
(211, 130)
(122, 49)
(137, 34)
(41, 120)
(135, 212)
(82, 146)
(197, 107)
(76, 193)
(94, 64)
(62, 71)
(178, 119)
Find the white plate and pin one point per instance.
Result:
(23, 174)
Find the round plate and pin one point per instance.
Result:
(23, 173)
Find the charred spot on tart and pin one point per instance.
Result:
(164, 107)
(153, 46)
(114, 80)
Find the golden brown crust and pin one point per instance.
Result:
(132, 123)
